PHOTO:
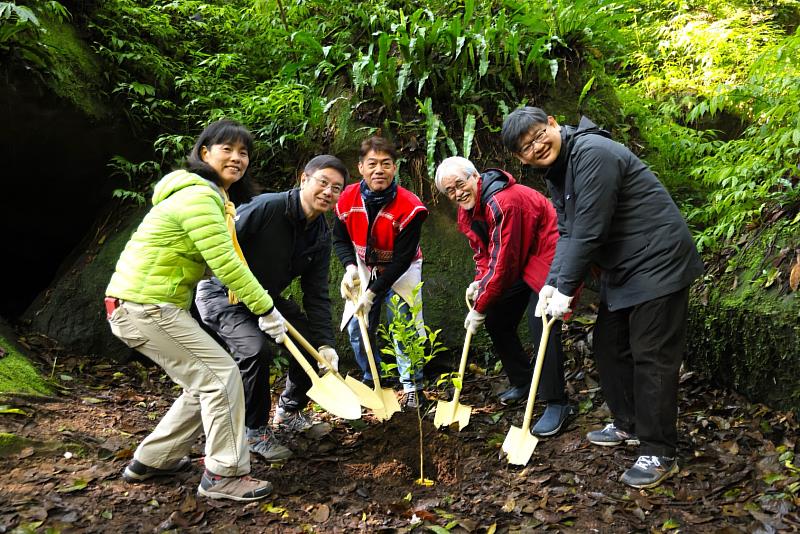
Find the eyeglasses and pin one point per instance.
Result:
(459, 185)
(325, 184)
(538, 138)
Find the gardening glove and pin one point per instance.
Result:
(558, 305)
(474, 321)
(544, 294)
(349, 281)
(472, 291)
(273, 325)
(329, 353)
(365, 304)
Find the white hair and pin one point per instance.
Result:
(454, 166)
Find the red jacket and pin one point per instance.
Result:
(512, 230)
(389, 222)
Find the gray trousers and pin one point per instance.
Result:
(212, 400)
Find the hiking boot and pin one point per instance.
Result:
(412, 400)
(649, 471)
(297, 421)
(136, 471)
(514, 394)
(262, 441)
(611, 436)
(553, 418)
(241, 488)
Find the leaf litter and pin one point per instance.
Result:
(738, 469)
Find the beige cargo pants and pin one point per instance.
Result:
(213, 396)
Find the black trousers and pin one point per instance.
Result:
(502, 321)
(639, 352)
(253, 351)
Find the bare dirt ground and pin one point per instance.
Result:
(738, 470)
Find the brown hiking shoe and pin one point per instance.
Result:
(241, 488)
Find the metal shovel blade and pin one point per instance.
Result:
(449, 412)
(519, 445)
(335, 397)
(366, 395)
(389, 405)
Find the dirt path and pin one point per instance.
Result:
(737, 469)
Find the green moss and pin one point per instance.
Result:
(74, 74)
(11, 444)
(17, 374)
(743, 330)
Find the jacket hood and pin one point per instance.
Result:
(492, 181)
(177, 180)
(569, 134)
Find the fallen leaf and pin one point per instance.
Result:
(794, 275)
(77, 485)
(321, 513)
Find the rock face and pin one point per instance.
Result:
(71, 310)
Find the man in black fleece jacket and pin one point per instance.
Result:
(614, 214)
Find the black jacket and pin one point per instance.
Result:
(280, 246)
(614, 213)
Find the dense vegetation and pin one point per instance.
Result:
(710, 89)
(707, 92)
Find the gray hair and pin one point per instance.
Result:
(518, 123)
(454, 165)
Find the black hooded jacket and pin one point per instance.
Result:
(614, 213)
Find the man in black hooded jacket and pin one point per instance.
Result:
(614, 214)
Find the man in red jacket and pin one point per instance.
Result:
(512, 230)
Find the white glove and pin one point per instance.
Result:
(472, 291)
(365, 304)
(558, 305)
(273, 325)
(349, 281)
(474, 321)
(544, 294)
(329, 353)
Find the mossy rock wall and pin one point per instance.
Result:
(71, 310)
(747, 350)
(744, 327)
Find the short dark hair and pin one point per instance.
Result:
(217, 133)
(326, 161)
(377, 144)
(518, 123)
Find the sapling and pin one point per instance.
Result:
(418, 343)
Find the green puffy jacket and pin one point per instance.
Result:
(167, 255)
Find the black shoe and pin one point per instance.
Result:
(414, 399)
(553, 418)
(649, 471)
(136, 471)
(514, 394)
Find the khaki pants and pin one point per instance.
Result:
(212, 399)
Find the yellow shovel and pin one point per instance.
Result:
(448, 413)
(389, 404)
(332, 394)
(519, 442)
(366, 397)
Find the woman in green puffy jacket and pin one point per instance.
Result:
(190, 227)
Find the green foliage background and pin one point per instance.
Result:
(708, 93)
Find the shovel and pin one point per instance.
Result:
(366, 397)
(519, 442)
(332, 394)
(389, 404)
(448, 413)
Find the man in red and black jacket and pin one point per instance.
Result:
(513, 231)
(376, 236)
